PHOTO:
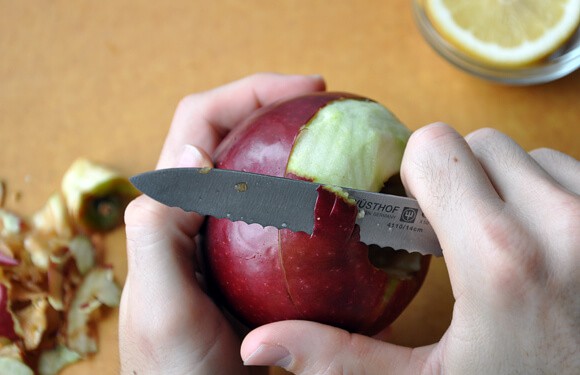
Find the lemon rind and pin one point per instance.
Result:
(526, 53)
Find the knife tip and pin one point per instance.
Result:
(136, 181)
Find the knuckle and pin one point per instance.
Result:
(187, 103)
(343, 357)
(543, 153)
(433, 134)
(483, 135)
(547, 158)
(142, 211)
(568, 215)
(145, 225)
(514, 259)
(565, 232)
(524, 256)
(492, 146)
(425, 164)
(199, 105)
(261, 76)
(552, 158)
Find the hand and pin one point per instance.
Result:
(168, 325)
(509, 225)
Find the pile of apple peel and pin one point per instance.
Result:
(54, 283)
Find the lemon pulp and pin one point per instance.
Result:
(505, 32)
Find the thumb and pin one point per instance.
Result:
(311, 348)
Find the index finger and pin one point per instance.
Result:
(442, 173)
(203, 119)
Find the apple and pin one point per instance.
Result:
(264, 274)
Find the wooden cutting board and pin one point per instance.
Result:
(102, 79)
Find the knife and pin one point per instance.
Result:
(384, 220)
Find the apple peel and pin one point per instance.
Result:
(14, 366)
(7, 323)
(53, 360)
(98, 288)
(96, 196)
(53, 284)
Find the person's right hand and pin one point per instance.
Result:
(509, 226)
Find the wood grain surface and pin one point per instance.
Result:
(101, 79)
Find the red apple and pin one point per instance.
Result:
(265, 274)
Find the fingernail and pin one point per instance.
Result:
(191, 156)
(269, 355)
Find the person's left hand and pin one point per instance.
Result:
(168, 325)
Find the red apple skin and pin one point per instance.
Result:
(7, 260)
(265, 274)
(6, 319)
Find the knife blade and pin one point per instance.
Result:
(384, 220)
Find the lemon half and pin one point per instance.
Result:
(505, 32)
